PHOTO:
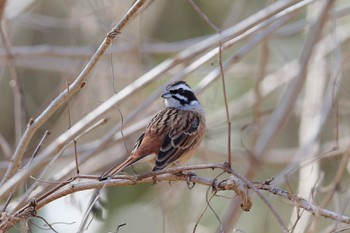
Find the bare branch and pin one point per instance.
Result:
(171, 174)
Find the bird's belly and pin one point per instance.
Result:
(150, 159)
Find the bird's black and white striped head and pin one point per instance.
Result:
(180, 95)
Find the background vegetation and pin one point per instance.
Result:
(285, 66)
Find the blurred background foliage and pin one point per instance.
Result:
(51, 41)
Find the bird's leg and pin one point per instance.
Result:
(130, 177)
(189, 175)
(124, 176)
(154, 178)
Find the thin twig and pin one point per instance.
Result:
(264, 58)
(204, 16)
(69, 126)
(206, 206)
(87, 213)
(47, 223)
(38, 147)
(228, 119)
(337, 179)
(20, 108)
(5, 147)
(9, 198)
(218, 30)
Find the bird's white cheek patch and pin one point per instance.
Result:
(181, 97)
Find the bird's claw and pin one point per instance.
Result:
(189, 175)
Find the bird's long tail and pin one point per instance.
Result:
(114, 170)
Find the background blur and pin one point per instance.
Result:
(51, 41)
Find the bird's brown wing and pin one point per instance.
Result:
(180, 139)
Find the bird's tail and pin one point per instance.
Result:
(118, 168)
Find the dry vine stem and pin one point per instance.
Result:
(171, 174)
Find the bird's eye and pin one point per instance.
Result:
(181, 91)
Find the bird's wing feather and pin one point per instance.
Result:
(178, 140)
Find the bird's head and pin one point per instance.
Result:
(180, 95)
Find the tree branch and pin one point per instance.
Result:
(87, 182)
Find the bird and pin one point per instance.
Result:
(172, 136)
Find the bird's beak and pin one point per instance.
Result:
(166, 95)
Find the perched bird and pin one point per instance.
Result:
(173, 135)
